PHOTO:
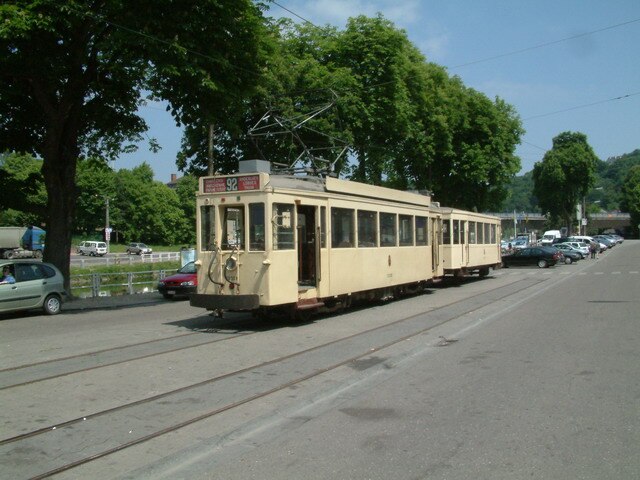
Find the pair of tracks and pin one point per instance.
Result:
(56, 448)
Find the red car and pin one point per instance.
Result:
(184, 282)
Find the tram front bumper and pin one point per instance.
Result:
(225, 302)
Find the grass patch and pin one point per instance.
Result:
(118, 269)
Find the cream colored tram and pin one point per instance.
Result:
(470, 242)
(301, 243)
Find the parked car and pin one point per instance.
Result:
(184, 282)
(570, 256)
(519, 244)
(92, 248)
(37, 285)
(541, 256)
(609, 243)
(138, 249)
(580, 247)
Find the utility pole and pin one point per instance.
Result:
(107, 229)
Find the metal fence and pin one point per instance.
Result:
(116, 283)
(122, 259)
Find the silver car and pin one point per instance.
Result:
(137, 248)
(37, 285)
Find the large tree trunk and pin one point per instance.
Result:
(59, 172)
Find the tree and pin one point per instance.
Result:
(147, 210)
(631, 196)
(409, 124)
(564, 176)
(96, 186)
(186, 189)
(73, 74)
(23, 197)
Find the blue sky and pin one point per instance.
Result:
(563, 64)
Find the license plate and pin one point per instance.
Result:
(171, 292)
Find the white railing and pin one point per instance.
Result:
(124, 259)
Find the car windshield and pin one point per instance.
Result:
(188, 268)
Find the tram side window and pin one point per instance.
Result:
(283, 226)
(446, 233)
(487, 233)
(233, 228)
(472, 232)
(256, 226)
(456, 232)
(387, 229)
(367, 229)
(406, 230)
(422, 231)
(207, 228)
(342, 228)
(480, 232)
(493, 233)
(323, 227)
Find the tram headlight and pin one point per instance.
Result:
(231, 264)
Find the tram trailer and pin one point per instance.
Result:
(470, 242)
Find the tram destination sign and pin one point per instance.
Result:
(231, 184)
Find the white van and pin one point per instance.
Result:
(549, 236)
(92, 248)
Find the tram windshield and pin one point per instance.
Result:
(232, 228)
(207, 228)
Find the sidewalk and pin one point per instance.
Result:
(116, 301)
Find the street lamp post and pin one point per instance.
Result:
(107, 228)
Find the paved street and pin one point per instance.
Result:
(529, 373)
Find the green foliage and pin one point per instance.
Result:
(148, 211)
(410, 125)
(186, 189)
(95, 186)
(610, 177)
(74, 72)
(520, 195)
(23, 197)
(631, 196)
(564, 176)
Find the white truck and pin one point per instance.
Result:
(21, 242)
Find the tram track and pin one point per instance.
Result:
(46, 370)
(112, 429)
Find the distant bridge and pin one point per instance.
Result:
(596, 222)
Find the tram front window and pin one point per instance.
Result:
(256, 226)
(207, 228)
(233, 228)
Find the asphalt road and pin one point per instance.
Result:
(528, 373)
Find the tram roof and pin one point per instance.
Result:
(455, 211)
(347, 187)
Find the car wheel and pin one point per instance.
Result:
(542, 263)
(52, 304)
(568, 260)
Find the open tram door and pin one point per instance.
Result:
(436, 246)
(308, 246)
